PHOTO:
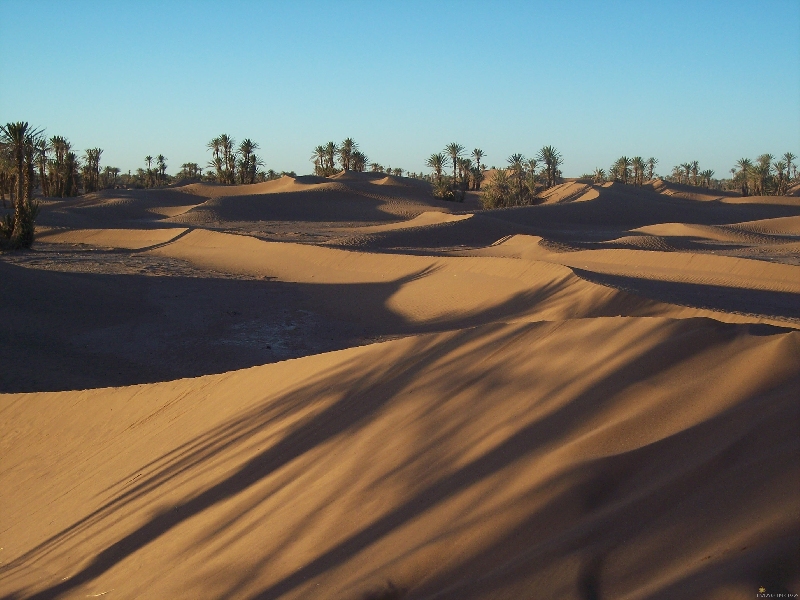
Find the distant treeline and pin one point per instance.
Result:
(516, 185)
(762, 177)
(59, 171)
(331, 158)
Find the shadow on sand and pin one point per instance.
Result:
(596, 507)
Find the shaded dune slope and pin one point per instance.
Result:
(660, 462)
(351, 197)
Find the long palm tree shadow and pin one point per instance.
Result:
(537, 435)
(360, 396)
(370, 395)
(190, 457)
(622, 495)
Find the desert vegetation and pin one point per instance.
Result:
(59, 171)
(233, 165)
(331, 158)
(467, 175)
(518, 184)
(764, 176)
(19, 148)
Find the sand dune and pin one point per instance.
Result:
(344, 388)
(326, 476)
(572, 191)
(689, 192)
(424, 220)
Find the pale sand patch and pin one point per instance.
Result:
(441, 289)
(669, 266)
(426, 219)
(171, 211)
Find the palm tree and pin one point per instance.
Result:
(215, 146)
(498, 191)
(228, 158)
(108, 178)
(745, 167)
(705, 178)
(788, 157)
(763, 171)
(247, 173)
(437, 162)
(216, 164)
(454, 150)
(162, 167)
(42, 150)
(71, 167)
(694, 165)
(254, 169)
(621, 169)
(780, 168)
(478, 154)
(149, 159)
(15, 136)
(465, 169)
(189, 170)
(92, 169)
(331, 150)
(318, 156)
(531, 175)
(61, 147)
(346, 152)
(552, 159)
(6, 172)
(599, 175)
(651, 165)
(20, 141)
(638, 164)
(359, 161)
(687, 169)
(516, 163)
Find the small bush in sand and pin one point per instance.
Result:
(445, 189)
(515, 186)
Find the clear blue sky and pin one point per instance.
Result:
(703, 80)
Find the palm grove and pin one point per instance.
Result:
(29, 160)
(516, 185)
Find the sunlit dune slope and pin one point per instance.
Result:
(131, 239)
(438, 290)
(624, 458)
